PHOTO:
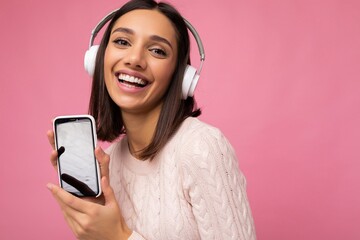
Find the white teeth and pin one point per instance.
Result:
(131, 79)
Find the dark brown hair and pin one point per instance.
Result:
(174, 110)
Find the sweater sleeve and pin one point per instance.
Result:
(215, 187)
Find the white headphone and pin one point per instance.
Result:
(191, 75)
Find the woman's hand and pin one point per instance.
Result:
(91, 218)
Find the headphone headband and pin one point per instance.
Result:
(100, 25)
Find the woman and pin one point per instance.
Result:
(167, 175)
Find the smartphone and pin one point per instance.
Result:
(75, 141)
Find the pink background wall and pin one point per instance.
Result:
(281, 80)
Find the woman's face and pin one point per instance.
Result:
(139, 60)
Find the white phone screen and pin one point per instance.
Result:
(77, 163)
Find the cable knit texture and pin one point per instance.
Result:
(193, 189)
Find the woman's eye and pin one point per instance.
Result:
(159, 52)
(122, 42)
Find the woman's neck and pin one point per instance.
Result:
(140, 129)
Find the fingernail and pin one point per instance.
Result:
(49, 186)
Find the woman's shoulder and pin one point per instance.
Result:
(194, 129)
(204, 148)
(197, 136)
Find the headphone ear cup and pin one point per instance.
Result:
(193, 85)
(90, 59)
(188, 84)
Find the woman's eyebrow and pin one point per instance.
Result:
(161, 39)
(123, 30)
(152, 37)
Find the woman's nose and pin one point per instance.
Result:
(136, 57)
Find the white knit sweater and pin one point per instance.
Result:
(192, 189)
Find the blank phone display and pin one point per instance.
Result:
(77, 162)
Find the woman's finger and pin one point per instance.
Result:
(54, 154)
(104, 160)
(108, 191)
(53, 158)
(50, 135)
(67, 201)
(71, 216)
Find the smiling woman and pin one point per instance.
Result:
(166, 175)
